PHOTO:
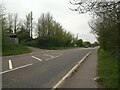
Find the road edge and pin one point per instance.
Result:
(70, 72)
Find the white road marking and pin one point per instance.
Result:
(53, 57)
(96, 78)
(10, 64)
(15, 68)
(70, 72)
(36, 58)
(48, 58)
(59, 55)
(49, 55)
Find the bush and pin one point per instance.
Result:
(107, 69)
(14, 49)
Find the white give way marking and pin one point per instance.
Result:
(15, 68)
(49, 55)
(36, 58)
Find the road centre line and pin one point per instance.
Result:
(36, 58)
(15, 68)
(10, 64)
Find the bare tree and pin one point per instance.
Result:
(28, 23)
(49, 20)
(15, 22)
(41, 25)
(2, 17)
(10, 23)
(84, 6)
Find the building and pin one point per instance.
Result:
(12, 38)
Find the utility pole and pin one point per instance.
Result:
(31, 24)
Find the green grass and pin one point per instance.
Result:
(107, 69)
(14, 49)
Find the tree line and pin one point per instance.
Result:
(106, 26)
(51, 34)
(48, 32)
(105, 22)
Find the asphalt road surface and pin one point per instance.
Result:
(41, 68)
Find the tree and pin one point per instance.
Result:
(51, 33)
(87, 44)
(45, 25)
(24, 29)
(94, 7)
(10, 23)
(3, 25)
(23, 36)
(105, 27)
(15, 22)
(41, 26)
(28, 24)
(80, 43)
(49, 23)
(106, 21)
(95, 44)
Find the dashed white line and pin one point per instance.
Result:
(59, 55)
(49, 55)
(36, 58)
(53, 57)
(15, 68)
(48, 58)
(10, 64)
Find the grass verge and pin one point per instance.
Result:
(107, 69)
(14, 49)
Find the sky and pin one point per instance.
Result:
(70, 20)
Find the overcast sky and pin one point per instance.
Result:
(59, 9)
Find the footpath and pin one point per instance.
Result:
(84, 77)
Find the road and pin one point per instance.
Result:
(41, 68)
